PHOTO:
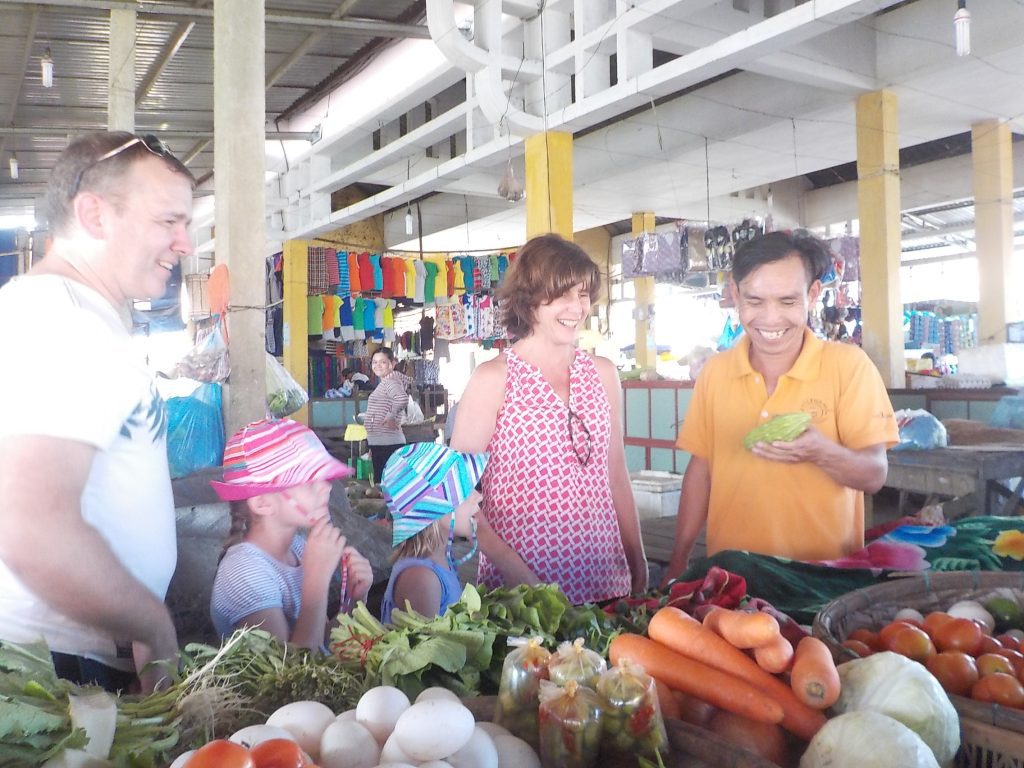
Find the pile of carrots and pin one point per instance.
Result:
(738, 661)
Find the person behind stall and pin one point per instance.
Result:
(87, 532)
(558, 506)
(277, 476)
(384, 409)
(431, 494)
(802, 499)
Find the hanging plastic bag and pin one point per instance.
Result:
(195, 431)
(571, 661)
(284, 395)
(412, 414)
(521, 675)
(208, 359)
(633, 724)
(570, 725)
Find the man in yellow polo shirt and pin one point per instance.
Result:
(802, 499)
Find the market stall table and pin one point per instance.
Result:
(976, 471)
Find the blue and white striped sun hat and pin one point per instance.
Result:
(423, 482)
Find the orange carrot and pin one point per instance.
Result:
(776, 656)
(685, 635)
(744, 629)
(814, 678)
(667, 702)
(691, 676)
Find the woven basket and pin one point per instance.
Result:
(689, 744)
(992, 736)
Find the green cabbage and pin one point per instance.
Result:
(904, 690)
(866, 739)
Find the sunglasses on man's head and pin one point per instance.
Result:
(149, 141)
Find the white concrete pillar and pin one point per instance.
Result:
(121, 76)
(239, 163)
(593, 74)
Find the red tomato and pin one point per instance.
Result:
(886, 633)
(912, 642)
(278, 753)
(859, 647)
(1009, 641)
(990, 644)
(934, 620)
(990, 663)
(999, 688)
(221, 754)
(866, 636)
(958, 635)
(955, 670)
(1015, 657)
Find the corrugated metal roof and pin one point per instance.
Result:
(181, 98)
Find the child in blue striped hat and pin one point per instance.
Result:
(431, 493)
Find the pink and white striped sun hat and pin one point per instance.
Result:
(273, 455)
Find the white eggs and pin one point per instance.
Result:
(434, 729)
(436, 693)
(347, 744)
(513, 752)
(348, 714)
(493, 729)
(436, 764)
(392, 753)
(306, 721)
(379, 709)
(478, 752)
(908, 613)
(252, 735)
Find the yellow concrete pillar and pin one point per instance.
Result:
(296, 319)
(992, 161)
(549, 184)
(643, 290)
(878, 201)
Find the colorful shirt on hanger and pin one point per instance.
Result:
(365, 272)
(449, 277)
(421, 276)
(345, 316)
(378, 272)
(487, 314)
(410, 279)
(429, 282)
(398, 276)
(359, 317)
(314, 315)
(344, 286)
(355, 284)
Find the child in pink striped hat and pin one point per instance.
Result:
(277, 476)
(431, 494)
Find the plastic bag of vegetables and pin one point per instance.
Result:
(632, 717)
(866, 739)
(905, 691)
(571, 661)
(570, 725)
(521, 675)
(284, 395)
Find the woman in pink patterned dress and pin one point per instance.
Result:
(558, 506)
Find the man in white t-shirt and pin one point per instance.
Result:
(88, 543)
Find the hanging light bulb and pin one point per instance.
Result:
(408, 220)
(14, 166)
(46, 63)
(962, 25)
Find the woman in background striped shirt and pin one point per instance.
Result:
(384, 409)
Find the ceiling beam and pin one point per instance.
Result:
(26, 56)
(170, 134)
(174, 42)
(353, 26)
(306, 44)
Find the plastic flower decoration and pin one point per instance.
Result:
(1010, 544)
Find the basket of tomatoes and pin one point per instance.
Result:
(967, 628)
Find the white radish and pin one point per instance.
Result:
(379, 709)
(96, 714)
(306, 721)
(347, 744)
(434, 729)
(912, 614)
